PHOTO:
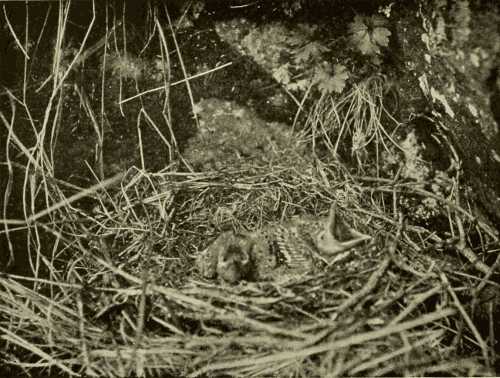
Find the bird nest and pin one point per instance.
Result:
(125, 298)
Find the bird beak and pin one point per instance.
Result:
(326, 241)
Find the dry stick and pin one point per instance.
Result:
(117, 51)
(475, 296)
(41, 155)
(42, 31)
(167, 77)
(374, 278)
(166, 67)
(100, 135)
(85, 54)
(466, 251)
(300, 105)
(243, 301)
(26, 41)
(19, 341)
(76, 60)
(185, 80)
(81, 323)
(412, 186)
(97, 128)
(96, 46)
(13, 288)
(484, 281)
(447, 367)
(183, 67)
(414, 304)
(15, 278)
(492, 332)
(11, 29)
(406, 357)
(339, 366)
(139, 137)
(261, 326)
(26, 152)
(370, 285)
(485, 227)
(139, 326)
(8, 187)
(388, 356)
(142, 304)
(67, 201)
(167, 292)
(152, 123)
(334, 345)
(468, 320)
(402, 291)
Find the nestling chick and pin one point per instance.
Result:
(228, 258)
(297, 246)
(336, 237)
(234, 262)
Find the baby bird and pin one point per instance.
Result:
(228, 258)
(294, 247)
(303, 242)
(335, 237)
(234, 262)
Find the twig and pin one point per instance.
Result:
(388, 356)
(67, 201)
(374, 278)
(468, 320)
(369, 286)
(183, 67)
(338, 344)
(484, 281)
(11, 29)
(467, 252)
(414, 304)
(186, 79)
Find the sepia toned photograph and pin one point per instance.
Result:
(249, 188)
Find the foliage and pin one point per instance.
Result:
(369, 34)
(328, 81)
(294, 57)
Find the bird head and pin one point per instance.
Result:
(335, 237)
(234, 260)
(326, 240)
